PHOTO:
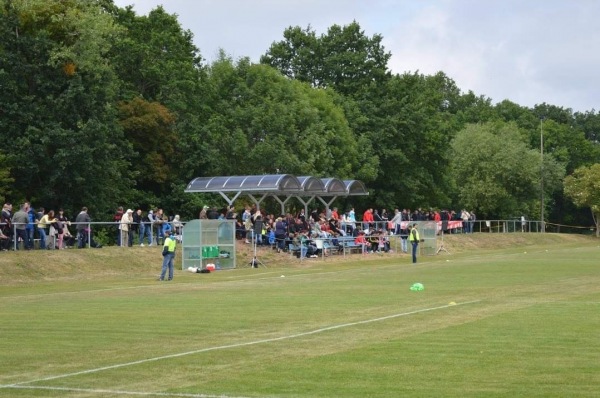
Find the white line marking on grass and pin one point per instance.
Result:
(120, 392)
(225, 347)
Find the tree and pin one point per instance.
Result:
(496, 173)
(6, 180)
(475, 109)
(583, 188)
(148, 126)
(344, 59)
(57, 103)
(162, 102)
(411, 134)
(261, 122)
(589, 123)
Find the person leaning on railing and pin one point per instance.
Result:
(20, 220)
(83, 224)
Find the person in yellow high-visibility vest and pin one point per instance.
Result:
(168, 255)
(414, 239)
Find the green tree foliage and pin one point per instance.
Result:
(589, 123)
(57, 103)
(566, 142)
(156, 59)
(583, 188)
(103, 107)
(497, 174)
(471, 108)
(354, 65)
(148, 126)
(162, 92)
(344, 58)
(262, 122)
(416, 128)
(6, 181)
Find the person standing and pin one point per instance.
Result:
(464, 216)
(385, 218)
(166, 226)
(168, 255)
(472, 221)
(43, 227)
(51, 230)
(368, 221)
(280, 234)
(414, 240)
(125, 228)
(203, 213)
(352, 219)
(59, 226)
(178, 227)
(31, 227)
(7, 228)
(147, 222)
(137, 227)
(82, 222)
(117, 220)
(257, 229)
(396, 222)
(20, 220)
(158, 224)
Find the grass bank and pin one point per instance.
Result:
(24, 267)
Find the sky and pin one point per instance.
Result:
(526, 51)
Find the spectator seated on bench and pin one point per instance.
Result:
(361, 242)
(307, 247)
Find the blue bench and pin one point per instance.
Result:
(348, 245)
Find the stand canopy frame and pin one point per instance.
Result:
(278, 186)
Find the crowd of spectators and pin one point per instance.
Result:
(28, 228)
(302, 230)
(371, 229)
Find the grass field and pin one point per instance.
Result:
(513, 315)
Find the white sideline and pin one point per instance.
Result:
(223, 347)
(122, 392)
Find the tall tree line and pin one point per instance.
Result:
(102, 107)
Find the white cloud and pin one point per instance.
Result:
(530, 51)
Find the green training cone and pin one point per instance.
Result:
(417, 287)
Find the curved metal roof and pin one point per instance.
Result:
(311, 185)
(355, 187)
(334, 186)
(284, 184)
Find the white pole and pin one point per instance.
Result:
(542, 172)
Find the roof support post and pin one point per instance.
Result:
(282, 203)
(327, 204)
(257, 202)
(230, 201)
(305, 203)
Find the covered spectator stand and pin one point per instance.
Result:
(281, 187)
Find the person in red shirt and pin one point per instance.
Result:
(324, 226)
(361, 240)
(368, 220)
(334, 214)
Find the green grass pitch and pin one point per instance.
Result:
(518, 321)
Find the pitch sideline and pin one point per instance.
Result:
(237, 345)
